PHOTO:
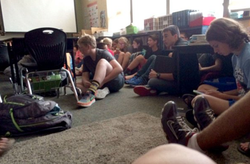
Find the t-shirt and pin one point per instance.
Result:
(150, 52)
(89, 65)
(241, 66)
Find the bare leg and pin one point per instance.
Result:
(125, 60)
(103, 68)
(230, 125)
(136, 62)
(173, 153)
(206, 87)
(120, 57)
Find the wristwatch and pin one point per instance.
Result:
(158, 75)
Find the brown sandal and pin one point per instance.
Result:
(5, 145)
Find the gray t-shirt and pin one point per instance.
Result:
(89, 65)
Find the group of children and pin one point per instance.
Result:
(104, 72)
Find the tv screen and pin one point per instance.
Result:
(25, 15)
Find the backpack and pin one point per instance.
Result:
(23, 114)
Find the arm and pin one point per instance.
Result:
(216, 67)
(165, 76)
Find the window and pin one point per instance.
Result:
(143, 9)
(239, 5)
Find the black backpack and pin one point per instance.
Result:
(23, 114)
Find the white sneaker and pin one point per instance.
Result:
(102, 93)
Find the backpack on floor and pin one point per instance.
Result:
(23, 114)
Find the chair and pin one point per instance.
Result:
(48, 47)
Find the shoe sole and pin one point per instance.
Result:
(143, 91)
(86, 104)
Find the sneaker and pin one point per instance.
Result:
(203, 114)
(138, 81)
(143, 90)
(87, 100)
(174, 126)
(102, 93)
(131, 80)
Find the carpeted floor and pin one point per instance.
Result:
(115, 141)
(115, 130)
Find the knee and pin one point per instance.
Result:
(102, 62)
(140, 58)
(128, 54)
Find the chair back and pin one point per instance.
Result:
(47, 46)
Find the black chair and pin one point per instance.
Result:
(48, 47)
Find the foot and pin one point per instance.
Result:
(143, 90)
(244, 146)
(174, 126)
(5, 145)
(102, 93)
(203, 114)
(87, 100)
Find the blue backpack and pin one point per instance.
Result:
(23, 114)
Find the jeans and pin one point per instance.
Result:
(163, 85)
(145, 70)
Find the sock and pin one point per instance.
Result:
(94, 86)
(192, 143)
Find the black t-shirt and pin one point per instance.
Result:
(150, 52)
(89, 65)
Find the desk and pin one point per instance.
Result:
(188, 77)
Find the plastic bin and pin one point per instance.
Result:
(45, 82)
(181, 18)
(198, 19)
(131, 29)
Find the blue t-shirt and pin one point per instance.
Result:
(241, 66)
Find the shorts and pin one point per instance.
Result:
(223, 84)
(116, 84)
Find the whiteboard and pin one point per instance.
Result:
(25, 15)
